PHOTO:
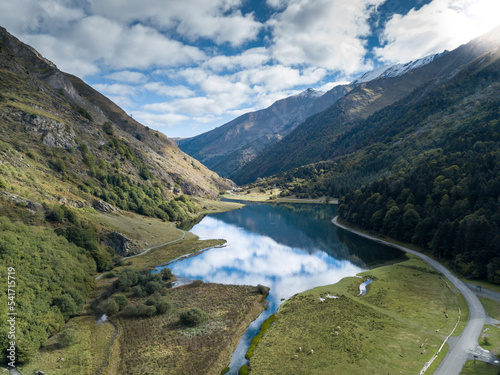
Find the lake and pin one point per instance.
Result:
(288, 247)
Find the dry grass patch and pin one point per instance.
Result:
(161, 344)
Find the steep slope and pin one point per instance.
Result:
(229, 147)
(388, 71)
(314, 140)
(442, 148)
(54, 123)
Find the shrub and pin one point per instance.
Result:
(128, 278)
(67, 305)
(110, 307)
(144, 310)
(67, 338)
(263, 289)
(121, 300)
(193, 317)
(152, 286)
(166, 274)
(130, 311)
(163, 307)
(244, 370)
(196, 283)
(139, 291)
(107, 128)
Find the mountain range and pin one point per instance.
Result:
(302, 129)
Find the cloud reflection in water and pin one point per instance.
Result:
(250, 259)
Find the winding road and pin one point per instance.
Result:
(465, 346)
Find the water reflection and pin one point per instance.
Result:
(287, 247)
(251, 258)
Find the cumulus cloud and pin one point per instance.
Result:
(170, 91)
(115, 89)
(158, 121)
(219, 20)
(127, 76)
(439, 25)
(322, 33)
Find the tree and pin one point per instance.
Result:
(121, 300)
(66, 305)
(110, 307)
(67, 338)
(193, 317)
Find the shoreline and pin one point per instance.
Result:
(466, 345)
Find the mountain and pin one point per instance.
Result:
(66, 150)
(388, 71)
(229, 147)
(425, 169)
(54, 124)
(316, 139)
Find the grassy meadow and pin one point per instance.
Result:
(395, 328)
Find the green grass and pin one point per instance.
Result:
(397, 327)
(142, 230)
(478, 367)
(84, 357)
(490, 339)
(168, 253)
(492, 307)
(211, 206)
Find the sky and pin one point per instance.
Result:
(186, 67)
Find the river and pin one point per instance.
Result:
(288, 247)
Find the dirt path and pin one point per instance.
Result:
(152, 248)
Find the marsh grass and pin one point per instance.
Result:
(161, 344)
(392, 329)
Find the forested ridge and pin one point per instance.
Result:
(423, 170)
(445, 198)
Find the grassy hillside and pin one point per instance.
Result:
(354, 334)
(74, 169)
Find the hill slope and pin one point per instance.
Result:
(315, 139)
(229, 147)
(54, 118)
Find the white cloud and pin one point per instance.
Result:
(115, 89)
(322, 33)
(219, 20)
(439, 25)
(170, 91)
(279, 77)
(127, 76)
(251, 58)
(157, 121)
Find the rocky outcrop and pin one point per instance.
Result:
(54, 133)
(104, 207)
(121, 245)
(29, 204)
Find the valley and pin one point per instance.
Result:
(135, 254)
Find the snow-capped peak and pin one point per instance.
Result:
(311, 93)
(388, 71)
